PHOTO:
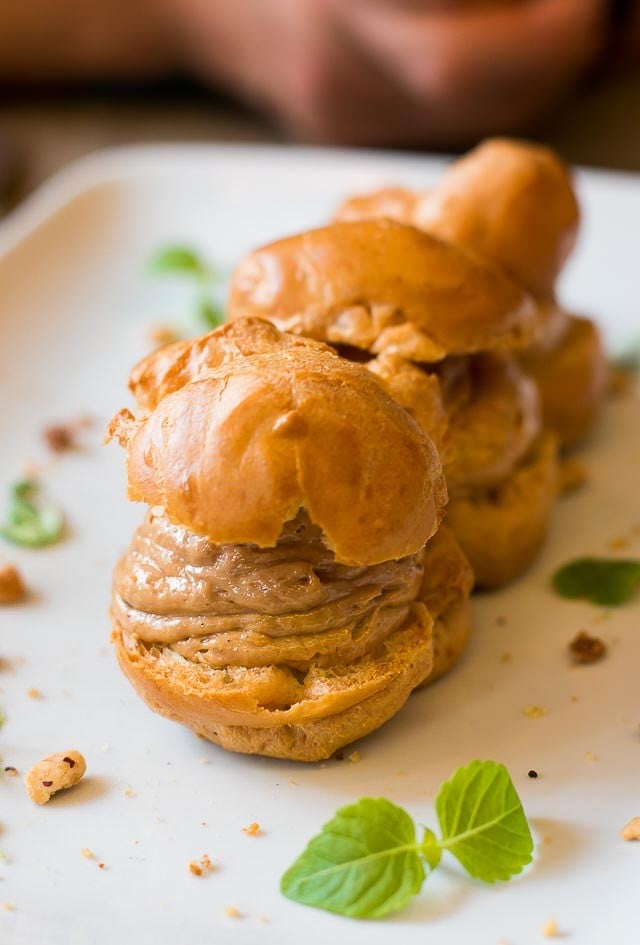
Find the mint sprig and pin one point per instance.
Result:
(367, 861)
(608, 582)
(176, 260)
(31, 522)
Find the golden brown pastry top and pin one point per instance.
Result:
(383, 286)
(510, 201)
(234, 450)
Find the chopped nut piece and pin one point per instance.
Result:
(54, 773)
(34, 693)
(252, 830)
(534, 711)
(631, 831)
(160, 335)
(550, 929)
(232, 912)
(573, 475)
(587, 649)
(12, 589)
(354, 757)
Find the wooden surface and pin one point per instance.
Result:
(599, 127)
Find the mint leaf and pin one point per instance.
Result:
(209, 313)
(482, 821)
(431, 849)
(179, 260)
(31, 523)
(364, 863)
(605, 581)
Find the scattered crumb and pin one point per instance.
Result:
(10, 771)
(619, 543)
(232, 912)
(263, 918)
(602, 616)
(87, 854)
(34, 693)
(550, 929)
(631, 831)
(201, 867)
(204, 761)
(589, 756)
(501, 620)
(59, 437)
(506, 658)
(12, 589)
(129, 792)
(354, 757)
(292, 781)
(534, 711)
(252, 830)
(100, 866)
(8, 906)
(574, 699)
(587, 649)
(546, 840)
(573, 475)
(105, 747)
(160, 335)
(54, 773)
(339, 756)
(532, 773)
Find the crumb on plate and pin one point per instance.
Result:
(129, 792)
(12, 588)
(534, 711)
(631, 830)
(550, 928)
(354, 757)
(87, 853)
(252, 830)
(585, 648)
(232, 912)
(160, 335)
(589, 756)
(34, 693)
(573, 475)
(202, 866)
(11, 771)
(54, 773)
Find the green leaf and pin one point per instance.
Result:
(482, 822)
(211, 315)
(30, 523)
(431, 849)
(364, 863)
(180, 260)
(605, 581)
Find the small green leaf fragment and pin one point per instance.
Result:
(179, 260)
(364, 863)
(482, 822)
(211, 314)
(431, 849)
(608, 582)
(30, 523)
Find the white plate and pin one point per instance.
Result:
(73, 309)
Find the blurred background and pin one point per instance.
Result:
(438, 75)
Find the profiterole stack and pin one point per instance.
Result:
(287, 587)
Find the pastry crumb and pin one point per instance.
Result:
(129, 792)
(252, 830)
(534, 711)
(160, 335)
(8, 906)
(54, 773)
(506, 657)
(354, 757)
(547, 840)
(501, 620)
(12, 589)
(589, 756)
(87, 853)
(202, 866)
(10, 771)
(34, 693)
(232, 912)
(631, 830)
(550, 929)
(587, 649)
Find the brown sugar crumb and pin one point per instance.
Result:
(550, 929)
(161, 335)
(54, 773)
(355, 757)
(587, 649)
(252, 830)
(202, 866)
(87, 853)
(573, 475)
(534, 711)
(232, 912)
(12, 589)
(34, 693)
(631, 831)
(10, 771)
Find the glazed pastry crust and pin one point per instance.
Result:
(382, 286)
(502, 530)
(300, 428)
